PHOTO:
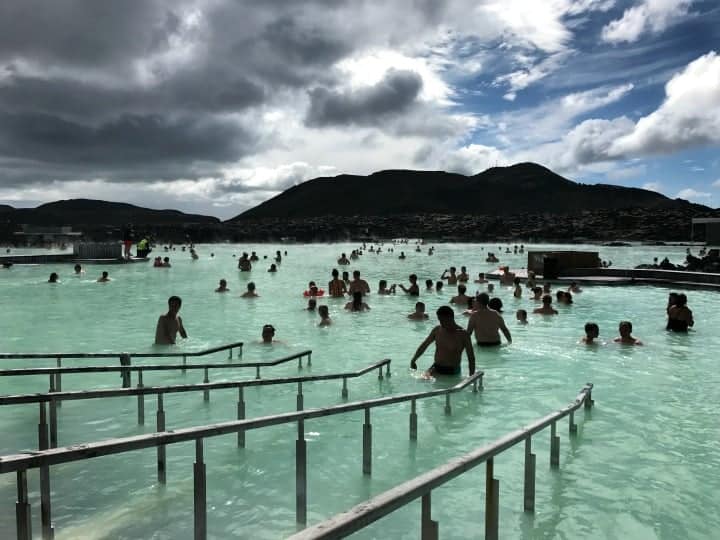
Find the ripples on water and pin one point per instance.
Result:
(643, 466)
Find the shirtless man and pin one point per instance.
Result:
(463, 276)
(383, 288)
(244, 263)
(486, 323)
(104, 278)
(450, 342)
(461, 299)
(507, 277)
(451, 277)
(250, 293)
(546, 308)
(419, 313)
(481, 278)
(222, 286)
(413, 289)
(343, 259)
(268, 332)
(626, 337)
(170, 324)
(358, 284)
(336, 286)
(357, 303)
(592, 332)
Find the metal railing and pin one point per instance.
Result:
(126, 369)
(367, 512)
(44, 459)
(54, 398)
(124, 357)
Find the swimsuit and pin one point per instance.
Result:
(488, 343)
(444, 370)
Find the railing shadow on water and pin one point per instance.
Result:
(45, 459)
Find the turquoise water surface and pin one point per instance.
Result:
(644, 464)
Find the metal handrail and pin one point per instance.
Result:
(124, 357)
(367, 512)
(125, 369)
(43, 459)
(34, 356)
(54, 398)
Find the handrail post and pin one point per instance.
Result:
(344, 392)
(161, 448)
(230, 353)
(58, 379)
(53, 415)
(184, 364)
(413, 421)
(448, 408)
(572, 426)
(257, 372)
(554, 447)
(529, 484)
(301, 475)
(387, 370)
(480, 381)
(588, 399)
(200, 494)
(309, 355)
(428, 527)
(43, 428)
(300, 397)
(241, 416)
(492, 500)
(206, 392)
(45, 505)
(125, 374)
(300, 361)
(23, 518)
(141, 400)
(380, 375)
(367, 444)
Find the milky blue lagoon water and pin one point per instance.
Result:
(644, 464)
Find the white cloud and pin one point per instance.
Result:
(472, 159)
(522, 78)
(693, 195)
(716, 183)
(628, 173)
(652, 16)
(689, 116)
(653, 186)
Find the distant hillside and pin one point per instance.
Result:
(84, 212)
(525, 187)
(4, 208)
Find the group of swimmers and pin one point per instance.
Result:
(78, 271)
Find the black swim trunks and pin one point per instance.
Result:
(488, 343)
(444, 370)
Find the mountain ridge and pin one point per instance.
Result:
(523, 187)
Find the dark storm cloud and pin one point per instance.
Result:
(392, 95)
(82, 32)
(128, 138)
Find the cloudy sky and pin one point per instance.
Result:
(213, 106)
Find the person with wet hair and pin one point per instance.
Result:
(626, 337)
(450, 342)
(592, 332)
(680, 317)
(486, 323)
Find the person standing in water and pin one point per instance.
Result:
(486, 323)
(336, 286)
(626, 337)
(450, 341)
(170, 324)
